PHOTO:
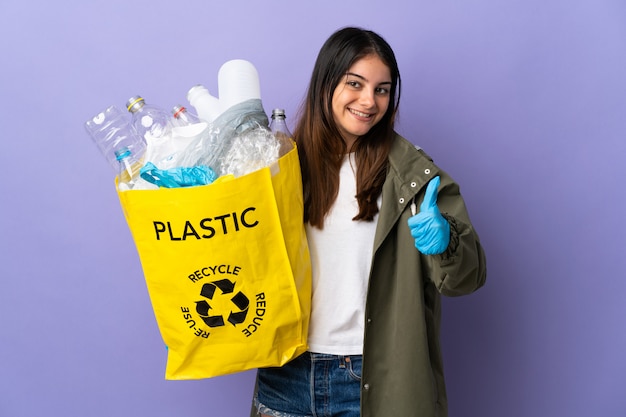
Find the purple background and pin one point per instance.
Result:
(523, 102)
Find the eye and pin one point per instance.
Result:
(353, 83)
(383, 91)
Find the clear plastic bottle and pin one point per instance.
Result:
(111, 131)
(183, 117)
(128, 169)
(279, 128)
(147, 120)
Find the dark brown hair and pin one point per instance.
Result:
(319, 141)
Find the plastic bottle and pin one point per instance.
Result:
(183, 117)
(207, 106)
(147, 120)
(279, 128)
(111, 131)
(237, 81)
(128, 168)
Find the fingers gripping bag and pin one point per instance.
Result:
(227, 269)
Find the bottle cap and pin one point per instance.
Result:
(195, 90)
(134, 103)
(177, 110)
(122, 153)
(278, 113)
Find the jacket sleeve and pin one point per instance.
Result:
(462, 268)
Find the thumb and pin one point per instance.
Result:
(430, 199)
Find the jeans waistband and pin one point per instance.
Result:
(329, 356)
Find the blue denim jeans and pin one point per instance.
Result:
(312, 385)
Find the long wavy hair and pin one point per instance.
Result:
(320, 144)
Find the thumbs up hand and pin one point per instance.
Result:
(429, 228)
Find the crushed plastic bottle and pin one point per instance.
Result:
(111, 131)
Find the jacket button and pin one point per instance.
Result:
(427, 171)
(369, 320)
(366, 387)
(401, 200)
(413, 184)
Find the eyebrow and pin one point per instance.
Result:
(365, 79)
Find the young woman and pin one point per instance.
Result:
(388, 233)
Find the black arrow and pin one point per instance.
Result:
(202, 308)
(214, 321)
(208, 290)
(225, 285)
(241, 301)
(237, 318)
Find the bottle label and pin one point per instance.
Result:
(146, 121)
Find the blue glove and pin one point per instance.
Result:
(429, 228)
(178, 177)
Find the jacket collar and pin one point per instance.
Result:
(410, 169)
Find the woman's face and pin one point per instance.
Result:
(361, 98)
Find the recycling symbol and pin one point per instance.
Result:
(239, 302)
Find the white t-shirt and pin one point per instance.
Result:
(341, 256)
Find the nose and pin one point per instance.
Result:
(367, 98)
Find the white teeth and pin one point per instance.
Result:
(358, 113)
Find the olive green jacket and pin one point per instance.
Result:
(402, 371)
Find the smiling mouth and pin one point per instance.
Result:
(360, 114)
